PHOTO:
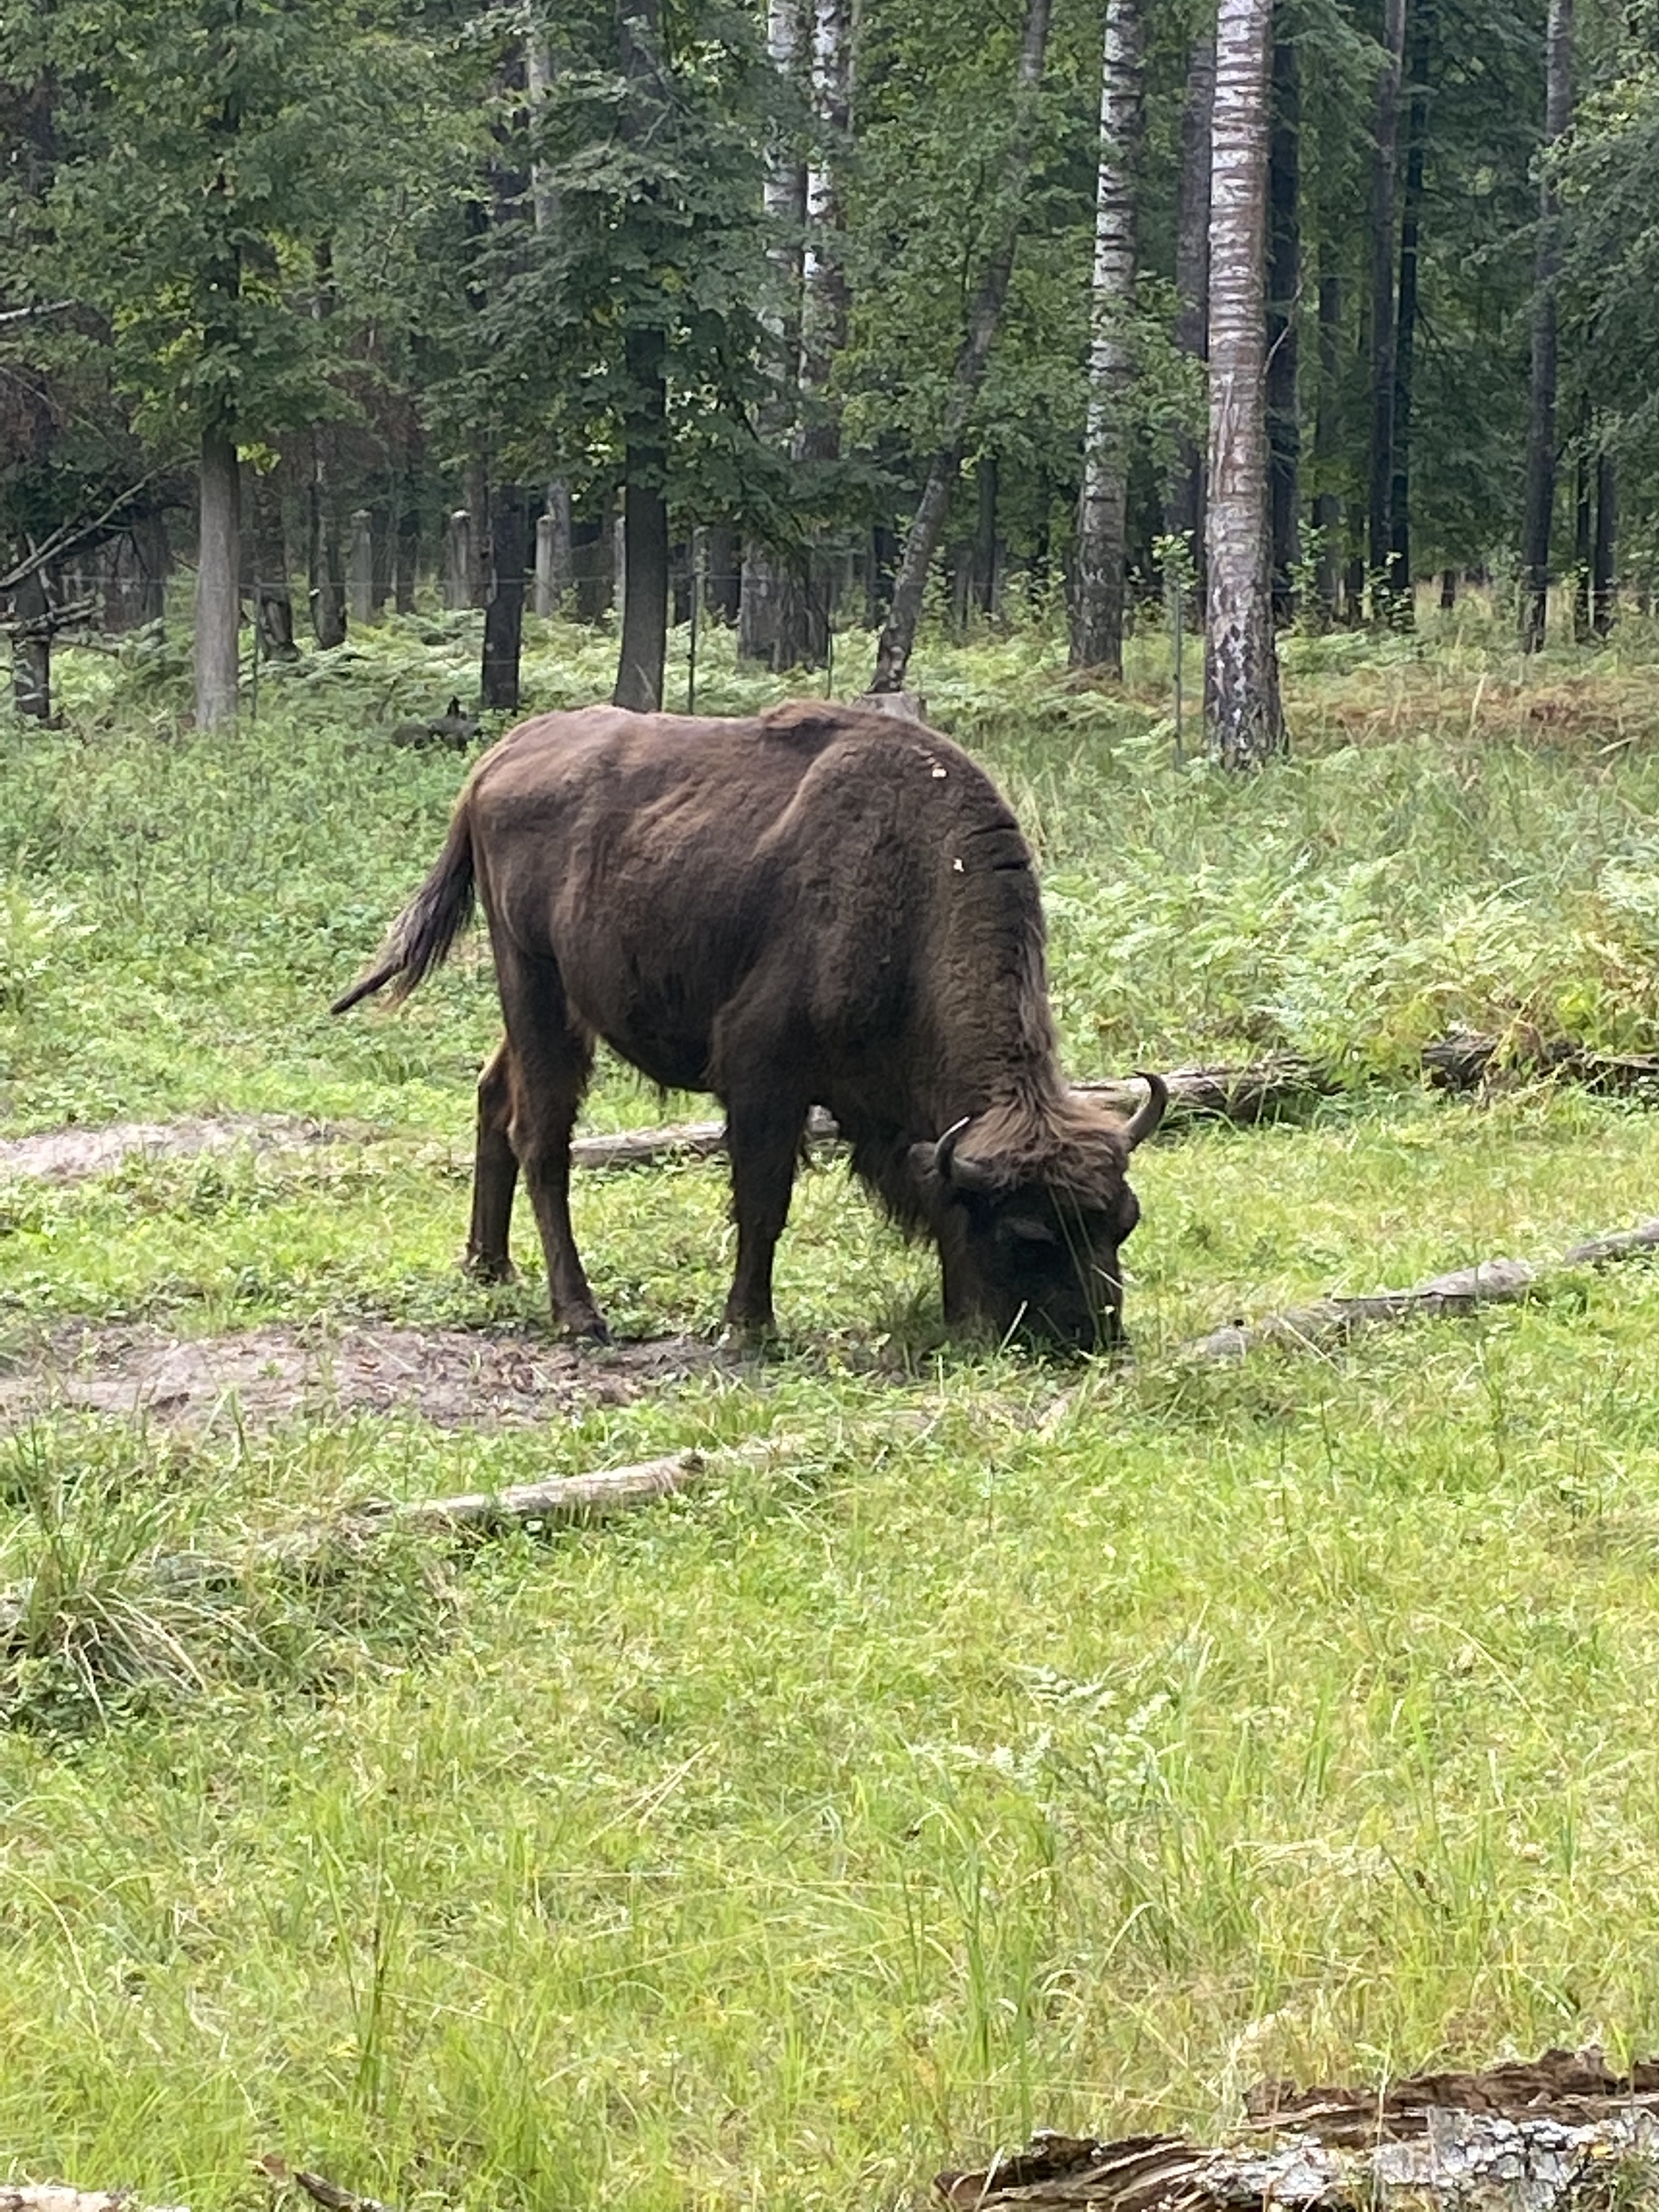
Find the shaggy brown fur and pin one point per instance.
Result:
(818, 905)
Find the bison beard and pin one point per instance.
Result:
(820, 906)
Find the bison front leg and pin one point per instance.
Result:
(763, 1137)
(495, 1174)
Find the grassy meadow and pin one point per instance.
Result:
(1008, 1744)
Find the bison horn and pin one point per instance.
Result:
(1143, 1121)
(944, 1150)
(967, 1173)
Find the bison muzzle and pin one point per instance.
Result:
(819, 905)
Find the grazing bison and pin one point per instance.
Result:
(818, 906)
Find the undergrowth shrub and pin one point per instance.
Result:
(1440, 852)
(118, 1599)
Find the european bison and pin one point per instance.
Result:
(820, 905)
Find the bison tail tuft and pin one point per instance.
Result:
(420, 939)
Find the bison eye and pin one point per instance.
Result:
(1029, 1231)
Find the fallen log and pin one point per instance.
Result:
(1261, 1090)
(561, 1501)
(1546, 2137)
(555, 1503)
(59, 2196)
(1257, 1093)
(1245, 1095)
(1333, 1321)
(1474, 1063)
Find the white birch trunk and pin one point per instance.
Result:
(898, 636)
(553, 562)
(824, 280)
(1097, 625)
(538, 79)
(1241, 667)
(1540, 438)
(805, 608)
(218, 586)
(785, 193)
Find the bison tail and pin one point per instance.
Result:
(420, 939)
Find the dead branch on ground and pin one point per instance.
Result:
(59, 2196)
(1559, 2132)
(1490, 1283)
(1474, 1063)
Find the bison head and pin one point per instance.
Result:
(1030, 1205)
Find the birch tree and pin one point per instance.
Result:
(1540, 434)
(1241, 667)
(1384, 164)
(785, 197)
(1183, 510)
(1098, 612)
(804, 617)
(898, 635)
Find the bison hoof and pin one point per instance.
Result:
(750, 1336)
(489, 1267)
(588, 1328)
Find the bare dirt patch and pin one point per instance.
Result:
(452, 1377)
(70, 1154)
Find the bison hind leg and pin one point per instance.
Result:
(550, 1055)
(495, 1174)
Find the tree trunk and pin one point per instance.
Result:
(985, 536)
(722, 576)
(406, 551)
(475, 491)
(324, 570)
(1241, 668)
(898, 635)
(1327, 450)
(553, 562)
(553, 571)
(1184, 512)
(1401, 593)
(1581, 546)
(458, 559)
(1284, 285)
(266, 576)
(155, 558)
(31, 647)
(360, 568)
(1603, 552)
(218, 573)
(644, 651)
(1102, 506)
(1384, 164)
(762, 590)
(509, 559)
(807, 605)
(1540, 433)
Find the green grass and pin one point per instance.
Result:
(1015, 1745)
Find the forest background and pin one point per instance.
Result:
(586, 303)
